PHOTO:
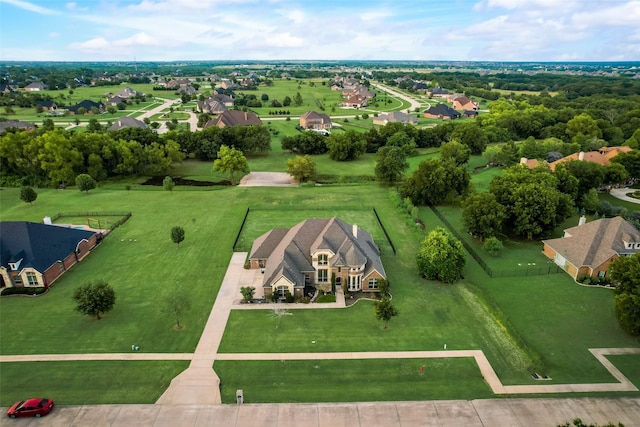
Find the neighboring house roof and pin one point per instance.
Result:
(395, 117)
(590, 156)
(127, 122)
(289, 250)
(530, 163)
(15, 124)
(233, 118)
(46, 104)
(611, 152)
(35, 86)
(442, 110)
(313, 117)
(439, 91)
(595, 242)
(127, 92)
(115, 100)
(86, 104)
(36, 245)
(212, 105)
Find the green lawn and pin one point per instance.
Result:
(545, 322)
(351, 380)
(88, 383)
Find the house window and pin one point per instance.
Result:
(373, 283)
(17, 280)
(323, 275)
(339, 269)
(282, 291)
(32, 279)
(323, 259)
(602, 273)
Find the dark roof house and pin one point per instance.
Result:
(35, 254)
(441, 111)
(127, 122)
(88, 105)
(15, 124)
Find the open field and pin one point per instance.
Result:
(545, 323)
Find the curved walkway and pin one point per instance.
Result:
(621, 193)
(199, 384)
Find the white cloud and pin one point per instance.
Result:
(90, 46)
(54, 35)
(140, 39)
(31, 7)
(71, 5)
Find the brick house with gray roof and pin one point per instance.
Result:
(314, 250)
(590, 247)
(35, 255)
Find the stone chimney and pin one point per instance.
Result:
(581, 156)
(582, 221)
(355, 231)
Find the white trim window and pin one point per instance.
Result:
(32, 278)
(323, 275)
(323, 259)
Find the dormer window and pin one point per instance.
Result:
(14, 266)
(323, 259)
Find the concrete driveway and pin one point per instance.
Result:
(267, 179)
(621, 193)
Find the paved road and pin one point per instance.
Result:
(414, 104)
(447, 413)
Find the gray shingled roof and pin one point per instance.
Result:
(593, 243)
(288, 251)
(38, 245)
(127, 122)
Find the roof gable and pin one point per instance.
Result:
(38, 245)
(593, 243)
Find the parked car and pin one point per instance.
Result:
(34, 407)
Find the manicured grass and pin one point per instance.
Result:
(260, 221)
(88, 382)
(629, 365)
(351, 380)
(547, 321)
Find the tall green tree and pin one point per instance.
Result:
(483, 215)
(28, 195)
(434, 181)
(346, 146)
(391, 164)
(625, 273)
(94, 298)
(230, 161)
(441, 257)
(455, 151)
(297, 100)
(85, 182)
(177, 235)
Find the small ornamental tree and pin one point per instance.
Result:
(28, 195)
(176, 304)
(301, 168)
(493, 246)
(94, 299)
(230, 161)
(247, 293)
(384, 310)
(177, 235)
(168, 183)
(84, 182)
(441, 257)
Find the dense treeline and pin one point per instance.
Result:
(51, 157)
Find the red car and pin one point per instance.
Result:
(34, 407)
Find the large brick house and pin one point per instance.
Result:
(590, 247)
(316, 121)
(313, 251)
(35, 255)
(441, 111)
(233, 118)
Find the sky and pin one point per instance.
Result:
(448, 30)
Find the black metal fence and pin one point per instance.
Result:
(124, 216)
(516, 272)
